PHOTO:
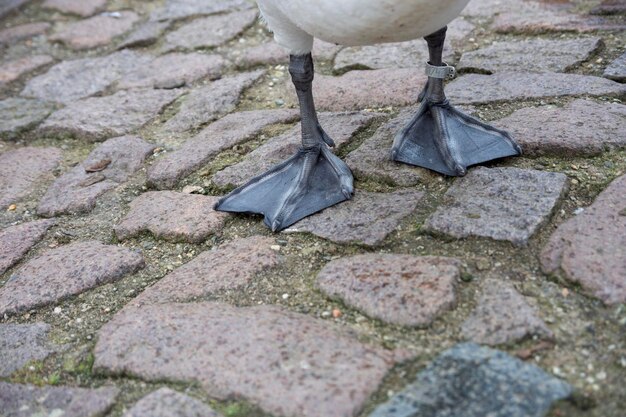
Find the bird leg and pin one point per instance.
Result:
(442, 138)
(311, 180)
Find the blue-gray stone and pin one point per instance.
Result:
(472, 381)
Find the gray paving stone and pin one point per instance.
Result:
(18, 400)
(270, 53)
(472, 381)
(21, 344)
(16, 182)
(69, 81)
(589, 248)
(146, 34)
(208, 103)
(617, 69)
(66, 271)
(181, 9)
(95, 31)
(502, 315)
(367, 219)
(174, 70)
(610, 7)
(172, 216)
(339, 126)
(510, 86)
(398, 289)
(582, 127)
(20, 32)
(265, 355)
(107, 166)
(16, 241)
(210, 31)
(213, 271)
(215, 138)
(498, 203)
(20, 114)
(13, 70)
(169, 403)
(556, 55)
(84, 8)
(98, 118)
(9, 6)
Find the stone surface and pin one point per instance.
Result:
(339, 126)
(9, 6)
(15, 69)
(21, 344)
(210, 31)
(96, 31)
(145, 35)
(69, 81)
(582, 127)
(180, 9)
(589, 248)
(218, 136)
(555, 55)
(18, 400)
(498, 203)
(169, 403)
(617, 69)
(270, 53)
(610, 7)
(213, 271)
(206, 104)
(174, 70)
(66, 271)
(266, 355)
(507, 86)
(21, 32)
(16, 182)
(358, 90)
(97, 118)
(367, 219)
(502, 315)
(20, 114)
(172, 216)
(16, 241)
(84, 8)
(472, 381)
(398, 289)
(78, 190)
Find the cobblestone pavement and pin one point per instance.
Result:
(122, 293)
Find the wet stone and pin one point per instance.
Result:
(498, 203)
(174, 70)
(367, 219)
(21, 344)
(107, 166)
(20, 114)
(18, 400)
(96, 31)
(617, 69)
(472, 381)
(265, 355)
(502, 315)
(341, 127)
(180, 9)
(69, 81)
(509, 86)
(232, 129)
(555, 56)
(145, 35)
(210, 31)
(13, 70)
(169, 403)
(66, 271)
(16, 181)
(589, 248)
(172, 216)
(97, 118)
(208, 103)
(84, 8)
(16, 241)
(21, 32)
(213, 271)
(398, 289)
(582, 127)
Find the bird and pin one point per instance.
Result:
(439, 137)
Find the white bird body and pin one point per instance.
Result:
(296, 23)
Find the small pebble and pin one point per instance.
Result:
(285, 296)
(337, 313)
(57, 310)
(12, 207)
(275, 248)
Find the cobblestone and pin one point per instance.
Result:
(21, 32)
(181, 9)
(617, 69)
(84, 8)
(16, 241)
(169, 403)
(10, 6)
(13, 70)
(96, 31)
(21, 344)
(19, 114)
(266, 355)
(65, 271)
(146, 34)
(499, 203)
